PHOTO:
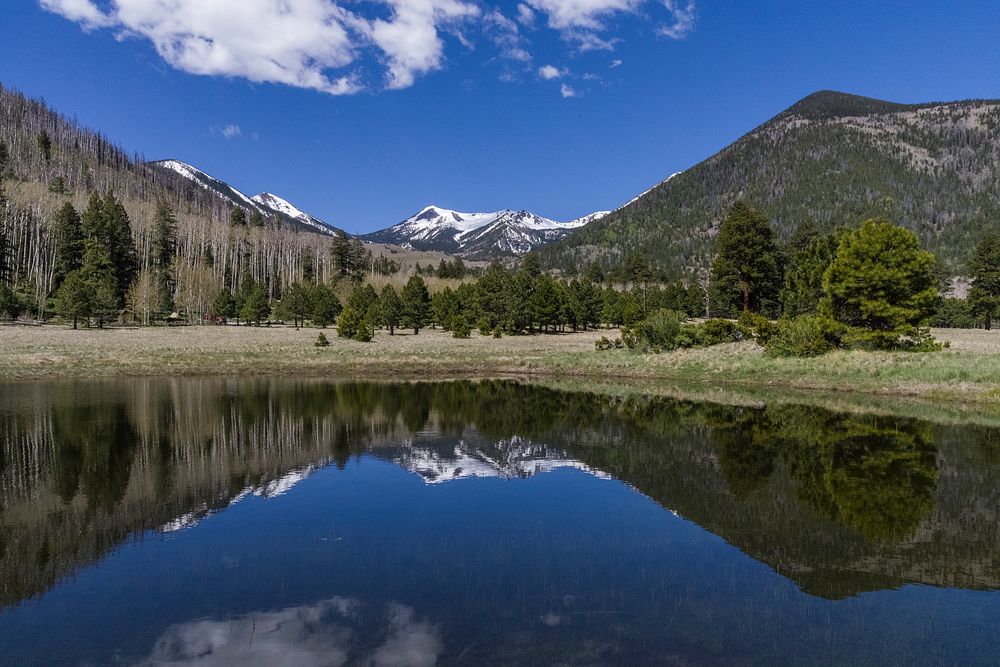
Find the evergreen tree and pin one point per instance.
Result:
(5, 244)
(746, 272)
(351, 323)
(984, 295)
(106, 224)
(416, 304)
(164, 250)
(491, 293)
(297, 302)
(238, 217)
(545, 303)
(99, 273)
(4, 160)
(325, 306)
(364, 300)
(881, 283)
(256, 219)
(74, 297)
(224, 304)
(256, 306)
(44, 142)
(390, 308)
(11, 305)
(804, 278)
(105, 303)
(445, 306)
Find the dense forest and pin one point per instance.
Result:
(48, 161)
(830, 160)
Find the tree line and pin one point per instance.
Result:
(872, 286)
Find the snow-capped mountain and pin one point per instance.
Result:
(477, 235)
(514, 458)
(267, 204)
(276, 203)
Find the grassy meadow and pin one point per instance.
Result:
(968, 371)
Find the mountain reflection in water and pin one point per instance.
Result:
(837, 503)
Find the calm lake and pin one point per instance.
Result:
(273, 522)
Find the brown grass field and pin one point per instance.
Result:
(968, 371)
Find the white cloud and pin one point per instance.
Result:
(410, 40)
(525, 16)
(576, 14)
(84, 12)
(683, 14)
(231, 131)
(506, 36)
(330, 632)
(549, 72)
(330, 45)
(567, 91)
(615, 63)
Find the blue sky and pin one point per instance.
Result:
(363, 111)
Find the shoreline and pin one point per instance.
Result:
(968, 372)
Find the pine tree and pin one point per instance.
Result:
(106, 224)
(74, 297)
(804, 278)
(238, 217)
(325, 306)
(164, 250)
(256, 219)
(256, 306)
(416, 304)
(390, 308)
(984, 295)
(5, 244)
(224, 304)
(4, 160)
(44, 142)
(881, 283)
(297, 302)
(98, 271)
(746, 273)
(545, 303)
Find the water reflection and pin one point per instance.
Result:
(839, 503)
(328, 633)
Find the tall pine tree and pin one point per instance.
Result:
(984, 295)
(68, 242)
(746, 273)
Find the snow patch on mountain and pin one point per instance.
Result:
(514, 458)
(276, 203)
(477, 234)
(643, 194)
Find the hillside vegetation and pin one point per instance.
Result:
(831, 159)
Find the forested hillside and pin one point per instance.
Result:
(48, 161)
(831, 159)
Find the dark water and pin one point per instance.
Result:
(217, 522)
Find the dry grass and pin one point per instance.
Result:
(968, 371)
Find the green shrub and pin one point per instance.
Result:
(804, 336)
(690, 335)
(364, 332)
(497, 332)
(659, 330)
(755, 325)
(716, 331)
(460, 327)
(321, 341)
(484, 326)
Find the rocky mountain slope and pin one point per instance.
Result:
(477, 235)
(833, 159)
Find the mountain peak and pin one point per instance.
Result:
(835, 104)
